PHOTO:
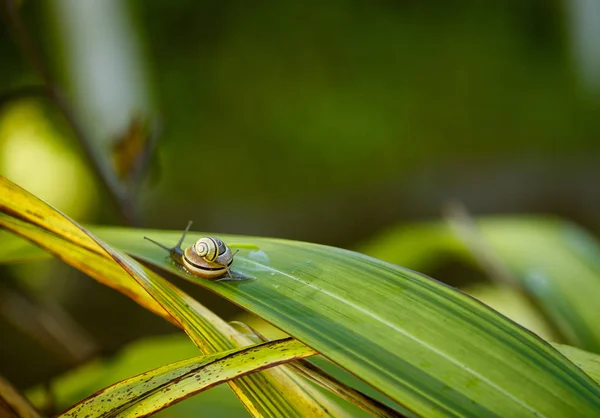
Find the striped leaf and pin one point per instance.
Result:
(157, 389)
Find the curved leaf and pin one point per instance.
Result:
(157, 389)
(427, 346)
(270, 393)
(588, 362)
(17, 202)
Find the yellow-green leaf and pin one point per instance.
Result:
(154, 390)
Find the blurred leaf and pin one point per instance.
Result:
(13, 404)
(419, 246)
(29, 136)
(270, 393)
(401, 332)
(15, 249)
(559, 265)
(152, 391)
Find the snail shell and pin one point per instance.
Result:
(209, 257)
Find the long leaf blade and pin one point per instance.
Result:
(425, 345)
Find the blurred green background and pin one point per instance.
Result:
(320, 122)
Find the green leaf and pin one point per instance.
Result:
(588, 362)
(427, 346)
(270, 393)
(152, 391)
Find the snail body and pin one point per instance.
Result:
(208, 258)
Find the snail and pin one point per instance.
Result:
(208, 258)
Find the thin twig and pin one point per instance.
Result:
(118, 195)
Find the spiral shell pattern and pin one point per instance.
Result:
(209, 248)
(209, 257)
